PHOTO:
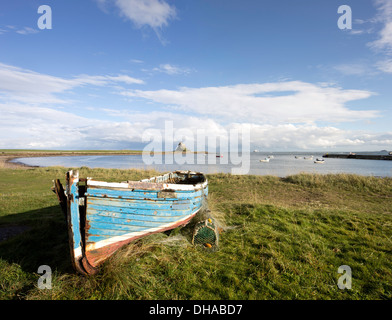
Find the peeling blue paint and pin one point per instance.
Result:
(111, 212)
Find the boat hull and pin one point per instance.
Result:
(102, 217)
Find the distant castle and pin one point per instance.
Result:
(181, 147)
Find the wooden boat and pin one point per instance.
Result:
(104, 216)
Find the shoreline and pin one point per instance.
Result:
(5, 163)
(7, 157)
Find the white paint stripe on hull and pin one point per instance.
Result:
(123, 185)
(78, 252)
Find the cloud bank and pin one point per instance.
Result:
(281, 115)
(280, 102)
(18, 84)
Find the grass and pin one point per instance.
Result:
(282, 239)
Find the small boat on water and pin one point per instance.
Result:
(265, 160)
(104, 216)
(308, 158)
(319, 160)
(219, 156)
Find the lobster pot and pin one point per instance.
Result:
(206, 235)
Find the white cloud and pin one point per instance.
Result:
(384, 42)
(20, 84)
(36, 127)
(27, 30)
(42, 127)
(355, 32)
(153, 13)
(171, 69)
(281, 115)
(381, 26)
(136, 61)
(289, 136)
(385, 65)
(23, 31)
(280, 102)
(105, 80)
(353, 69)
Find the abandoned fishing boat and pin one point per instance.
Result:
(104, 216)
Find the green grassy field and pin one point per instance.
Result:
(281, 239)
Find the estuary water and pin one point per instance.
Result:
(280, 164)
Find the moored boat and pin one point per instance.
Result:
(265, 160)
(104, 216)
(318, 160)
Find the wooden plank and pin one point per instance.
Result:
(178, 204)
(129, 194)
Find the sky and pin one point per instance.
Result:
(100, 74)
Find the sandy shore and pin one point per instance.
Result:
(6, 158)
(5, 163)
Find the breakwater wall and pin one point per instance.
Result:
(358, 156)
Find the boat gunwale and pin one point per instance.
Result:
(147, 186)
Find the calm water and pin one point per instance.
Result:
(282, 164)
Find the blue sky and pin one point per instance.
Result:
(110, 70)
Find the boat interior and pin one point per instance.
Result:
(179, 177)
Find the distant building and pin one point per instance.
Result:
(180, 147)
